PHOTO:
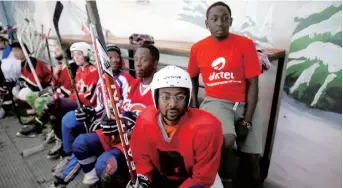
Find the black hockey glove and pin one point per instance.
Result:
(108, 125)
(85, 114)
(141, 182)
(129, 119)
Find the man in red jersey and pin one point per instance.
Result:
(230, 68)
(174, 146)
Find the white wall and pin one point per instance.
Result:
(161, 19)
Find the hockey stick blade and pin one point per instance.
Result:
(36, 149)
(57, 16)
(33, 150)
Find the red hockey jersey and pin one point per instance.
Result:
(136, 101)
(42, 71)
(191, 156)
(62, 84)
(86, 81)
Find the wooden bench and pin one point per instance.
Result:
(165, 47)
(182, 49)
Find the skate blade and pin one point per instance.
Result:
(26, 136)
(53, 157)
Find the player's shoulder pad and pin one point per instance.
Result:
(124, 77)
(147, 116)
(92, 68)
(135, 84)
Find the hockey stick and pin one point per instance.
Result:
(48, 49)
(97, 60)
(28, 58)
(40, 42)
(56, 19)
(108, 76)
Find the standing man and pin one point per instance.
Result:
(230, 68)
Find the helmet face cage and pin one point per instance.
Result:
(171, 76)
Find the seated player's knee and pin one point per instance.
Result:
(109, 177)
(79, 145)
(69, 120)
(104, 160)
(23, 93)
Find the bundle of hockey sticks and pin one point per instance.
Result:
(107, 76)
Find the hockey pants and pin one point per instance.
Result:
(65, 105)
(88, 150)
(71, 128)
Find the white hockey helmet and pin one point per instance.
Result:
(84, 47)
(171, 76)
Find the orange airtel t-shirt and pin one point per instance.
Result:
(224, 66)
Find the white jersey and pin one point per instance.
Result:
(11, 68)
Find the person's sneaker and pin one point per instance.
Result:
(56, 151)
(58, 169)
(90, 178)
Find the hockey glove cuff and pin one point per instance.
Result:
(85, 114)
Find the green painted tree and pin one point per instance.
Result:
(314, 70)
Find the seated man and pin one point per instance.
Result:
(85, 84)
(173, 145)
(9, 74)
(61, 87)
(29, 84)
(93, 150)
(230, 69)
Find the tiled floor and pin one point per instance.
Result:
(18, 172)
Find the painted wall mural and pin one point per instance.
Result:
(314, 70)
(195, 12)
